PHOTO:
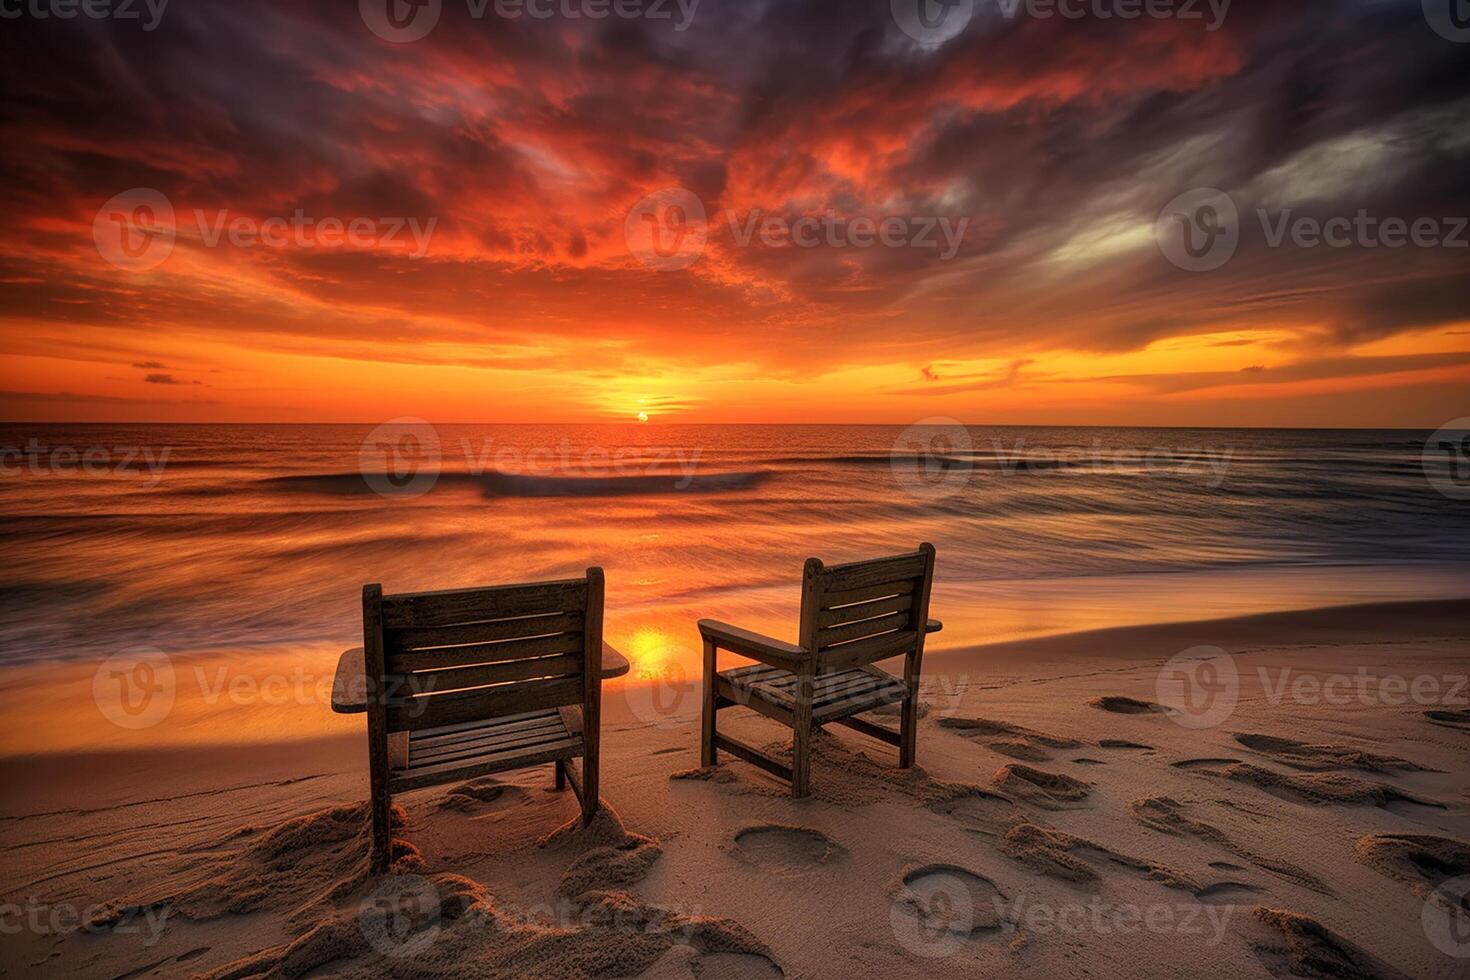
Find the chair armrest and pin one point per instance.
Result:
(777, 653)
(933, 626)
(349, 686)
(614, 664)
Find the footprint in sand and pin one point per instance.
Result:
(1314, 788)
(786, 849)
(479, 792)
(1120, 743)
(1226, 893)
(1225, 866)
(1120, 705)
(1011, 740)
(1321, 758)
(1290, 944)
(938, 907)
(981, 811)
(687, 963)
(1450, 719)
(1084, 761)
(1422, 860)
(1050, 790)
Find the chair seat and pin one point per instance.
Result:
(834, 695)
(476, 748)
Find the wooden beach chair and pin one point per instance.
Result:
(851, 617)
(468, 682)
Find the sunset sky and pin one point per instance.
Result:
(527, 142)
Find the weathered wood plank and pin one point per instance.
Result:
(845, 597)
(519, 628)
(742, 751)
(433, 710)
(483, 653)
(869, 650)
(874, 572)
(867, 627)
(430, 681)
(448, 608)
(417, 778)
(865, 610)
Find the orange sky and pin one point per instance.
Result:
(1050, 148)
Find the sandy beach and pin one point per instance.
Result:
(1066, 819)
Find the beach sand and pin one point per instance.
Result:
(1062, 823)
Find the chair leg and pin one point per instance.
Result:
(561, 775)
(801, 742)
(589, 788)
(908, 729)
(382, 812)
(708, 755)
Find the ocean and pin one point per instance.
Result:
(199, 538)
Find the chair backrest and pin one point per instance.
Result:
(865, 611)
(445, 658)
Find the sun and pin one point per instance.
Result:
(643, 416)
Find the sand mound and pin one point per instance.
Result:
(1319, 758)
(314, 868)
(1120, 705)
(1419, 859)
(612, 856)
(785, 849)
(985, 727)
(299, 867)
(1058, 854)
(1297, 946)
(1053, 791)
(1167, 816)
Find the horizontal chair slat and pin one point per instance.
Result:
(433, 710)
(418, 609)
(865, 610)
(867, 627)
(433, 774)
(868, 650)
(878, 572)
(510, 723)
(430, 681)
(405, 662)
(518, 628)
(832, 599)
